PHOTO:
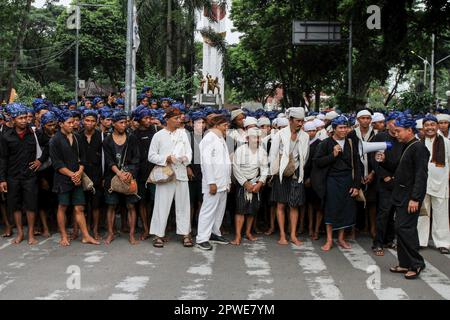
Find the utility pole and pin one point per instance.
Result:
(77, 44)
(350, 49)
(129, 66)
(432, 65)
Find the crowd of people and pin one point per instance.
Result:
(87, 163)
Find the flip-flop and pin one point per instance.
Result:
(378, 251)
(158, 243)
(398, 269)
(444, 250)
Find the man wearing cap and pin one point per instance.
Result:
(288, 155)
(443, 122)
(365, 133)
(171, 147)
(144, 135)
(435, 204)
(216, 182)
(91, 142)
(122, 159)
(409, 190)
(18, 166)
(385, 228)
(68, 162)
(46, 198)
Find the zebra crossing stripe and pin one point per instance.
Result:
(359, 259)
(196, 290)
(6, 245)
(319, 280)
(434, 278)
(258, 267)
(130, 287)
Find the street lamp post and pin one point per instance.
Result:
(425, 62)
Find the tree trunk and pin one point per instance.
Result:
(317, 96)
(18, 46)
(169, 53)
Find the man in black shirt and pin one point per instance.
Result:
(46, 199)
(385, 232)
(68, 162)
(144, 134)
(91, 141)
(18, 165)
(410, 185)
(122, 159)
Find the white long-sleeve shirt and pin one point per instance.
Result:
(248, 164)
(215, 162)
(165, 143)
(437, 183)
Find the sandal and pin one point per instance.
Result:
(187, 242)
(158, 243)
(398, 269)
(415, 275)
(444, 250)
(378, 251)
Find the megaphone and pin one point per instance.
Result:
(368, 147)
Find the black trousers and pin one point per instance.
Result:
(385, 219)
(407, 239)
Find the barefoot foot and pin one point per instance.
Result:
(64, 242)
(109, 238)
(327, 246)
(89, 240)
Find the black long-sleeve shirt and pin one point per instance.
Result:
(65, 155)
(131, 159)
(309, 162)
(93, 156)
(16, 155)
(392, 157)
(144, 138)
(410, 178)
(44, 142)
(325, 164)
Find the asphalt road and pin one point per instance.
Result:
(255, 270)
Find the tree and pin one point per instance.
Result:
(102, 41)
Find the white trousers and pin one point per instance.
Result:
(164, 196)
(440, 231)
(211, 215)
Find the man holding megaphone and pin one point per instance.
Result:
(385, 233)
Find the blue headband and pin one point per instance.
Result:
(119, 116)
(339, 121)
(393, 115)
(141, 114)
(64, 115)
(90, 113)
(430, 117)
(405, 121)
(97, 100)
(48, 117)
(18, 110)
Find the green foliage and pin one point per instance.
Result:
(177, 86)
(28, 89)
(415, 101)
(102, 40)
